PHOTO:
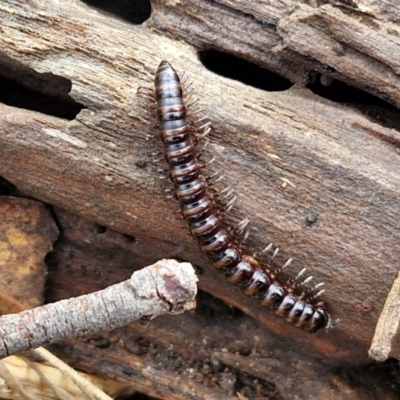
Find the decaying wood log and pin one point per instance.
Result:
(316, 178)
(349, 43)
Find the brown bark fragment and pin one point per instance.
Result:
(27, 232)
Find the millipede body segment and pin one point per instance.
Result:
(200, 212)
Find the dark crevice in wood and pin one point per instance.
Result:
(6, 187)
(374, 379)
(129, 238)
(23, 87)
(235, 68)
(52, 258)
(340, 92)
(101, 229)
(243, 71)
(214, 309)
(140, 396)
(136, 12)
(371, 106)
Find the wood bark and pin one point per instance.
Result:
(317, 178)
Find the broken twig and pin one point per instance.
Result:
(166, 287)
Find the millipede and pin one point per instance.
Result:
(201, 208)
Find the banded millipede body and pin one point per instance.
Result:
(200, 211)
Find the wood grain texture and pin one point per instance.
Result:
(338, 216)
(371, 63)
(355, 42)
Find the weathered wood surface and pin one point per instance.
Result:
(357, 43)
(339, 214)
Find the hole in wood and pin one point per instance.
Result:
(371, 106)
(101, 229)
(129, 238)
(6, 187)
(233, 67)
(340, 92)
(23, 87)
(137, 11)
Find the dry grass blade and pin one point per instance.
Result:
(87, 387)
(61, 393)
(11, 382)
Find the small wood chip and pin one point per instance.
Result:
(388, 324)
